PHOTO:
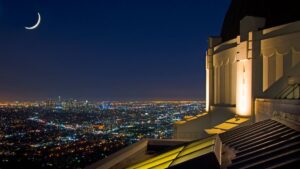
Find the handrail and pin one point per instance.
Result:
(278, 96)
(292, 89)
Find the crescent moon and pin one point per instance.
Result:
(37, 23)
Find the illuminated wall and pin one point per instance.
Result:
(257, 63)
(244, 87)
(225, 71)
(280, 54)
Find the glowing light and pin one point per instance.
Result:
(160, 161)
(227, 125)
(202, 114)
(214, 131)
(192, 155)
(243, 102)
(207, 91)
(192, 118)
(237, 121)
(180, 122)
(196, 148)
(179, 155)
(189, 118)
(161, 158)
(162, 166)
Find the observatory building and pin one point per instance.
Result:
(252, 117)
(252, 68)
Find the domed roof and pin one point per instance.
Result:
(276, 12)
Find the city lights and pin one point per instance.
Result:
(82, 132)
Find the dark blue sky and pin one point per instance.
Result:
(106, 49)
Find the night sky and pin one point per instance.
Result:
(106, 49)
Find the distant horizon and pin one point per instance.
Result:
(103, 100)
(23, 99)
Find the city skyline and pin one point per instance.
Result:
(106, 50)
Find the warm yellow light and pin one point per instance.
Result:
(243, 97)
(187, 117)
(192, 155)
(207, 91)
(158, 159)
(199, 142)
(192, 118)
(178, 155)
(180, 122)
(196, 148)
(237, 120)
(162, 166)
(214, 131)
(158, 162)
(202, 114)
(226, 126)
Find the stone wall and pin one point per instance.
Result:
(285, 111)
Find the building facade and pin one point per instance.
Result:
(258, 63)
(252, 68)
